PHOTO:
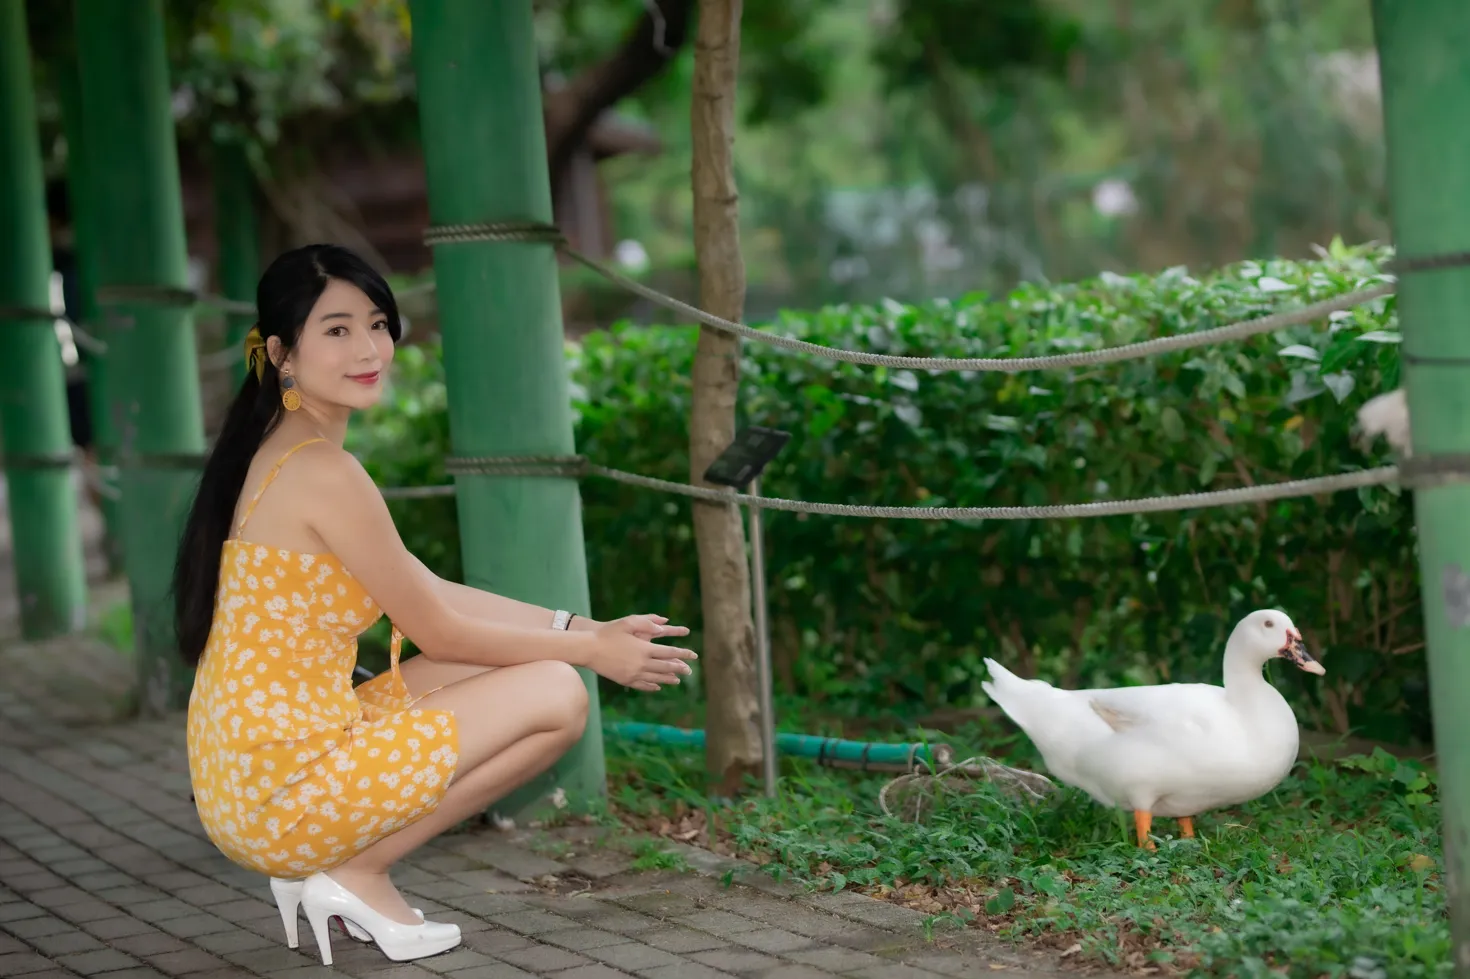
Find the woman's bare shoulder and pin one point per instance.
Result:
(328, 466)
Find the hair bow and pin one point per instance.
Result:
(255, 352)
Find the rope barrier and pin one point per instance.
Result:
(81, 337)
(1429, 472)
(26, 313)
(1087, 358)
(579, 467)
(416, 492)
(85, 340)
(175, 296)
(533, 231)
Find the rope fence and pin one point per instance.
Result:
(579, 467)
(530, 231)
(1411, 473)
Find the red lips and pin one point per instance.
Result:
(367, 379)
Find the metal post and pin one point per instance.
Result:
(763, 644)
(47, 542)
(128, 122)
(237, 230)
(479, 97)
(1426, 96)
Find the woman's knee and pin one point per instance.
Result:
(566, 699)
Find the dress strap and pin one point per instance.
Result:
(270, 477)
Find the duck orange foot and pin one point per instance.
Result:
(1143, 821)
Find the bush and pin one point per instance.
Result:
(900, 613)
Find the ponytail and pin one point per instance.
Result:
(252, 416)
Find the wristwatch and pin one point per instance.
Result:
(561, 620)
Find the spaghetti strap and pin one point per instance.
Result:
(270, 477)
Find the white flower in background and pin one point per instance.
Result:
(1114, 198)
(631, 255)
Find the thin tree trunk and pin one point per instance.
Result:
(733, 745)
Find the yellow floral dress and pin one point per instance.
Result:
(295, 771)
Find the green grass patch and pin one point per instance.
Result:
(1335, 873)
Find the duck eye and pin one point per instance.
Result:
(1270, 623)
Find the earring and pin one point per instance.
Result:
(290, 397)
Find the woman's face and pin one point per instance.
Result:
(342, 356)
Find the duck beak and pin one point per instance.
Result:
(1295, 652)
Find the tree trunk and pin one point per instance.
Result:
(733, 744)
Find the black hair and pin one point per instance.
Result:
(287, 292)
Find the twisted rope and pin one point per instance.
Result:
(577, 466)
(919, 793)
(535, 231)
(79, 336)
(176, 296)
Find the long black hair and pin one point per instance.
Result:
(283, 300)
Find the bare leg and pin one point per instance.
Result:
(1142, 821)
(1186, 827)
(422, 674)
(512, 723)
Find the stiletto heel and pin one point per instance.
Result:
(288, 897)
(322, 898)
(317, 918)
(287, 893)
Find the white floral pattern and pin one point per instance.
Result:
(295, 771)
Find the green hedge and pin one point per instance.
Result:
(900, 613)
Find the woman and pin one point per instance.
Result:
(288, 555)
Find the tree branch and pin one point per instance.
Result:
(648, 48)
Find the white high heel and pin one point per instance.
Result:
(322, 898)
(287, 893)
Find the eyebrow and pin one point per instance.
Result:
(348, 316)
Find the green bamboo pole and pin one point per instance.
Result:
(47, 543)
(479, 100)
(1426, 98)
(80, 190)
(140, 238)
(237, 230)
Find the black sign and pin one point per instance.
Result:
(747, 456)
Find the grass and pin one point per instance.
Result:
(1335, 873)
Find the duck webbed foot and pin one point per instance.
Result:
(1142, 820)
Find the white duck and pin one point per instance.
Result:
(1172, 749)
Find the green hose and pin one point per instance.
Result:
(839, 751)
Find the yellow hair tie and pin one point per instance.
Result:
(255, 352)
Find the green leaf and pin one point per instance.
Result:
(1341, 385)
(1301, 351)
(1208, 468)
(1172, 423)
(1001, 903)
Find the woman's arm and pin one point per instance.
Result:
(480, 604)
(347, 512)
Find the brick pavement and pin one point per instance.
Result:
(105, 871)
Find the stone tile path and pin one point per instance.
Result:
(105, 871)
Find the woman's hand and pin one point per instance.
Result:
(626, 652)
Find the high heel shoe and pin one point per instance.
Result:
(322, 898)
(288, 899)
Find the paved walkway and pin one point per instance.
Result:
(104, 870)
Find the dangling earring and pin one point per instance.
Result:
(290, 397)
